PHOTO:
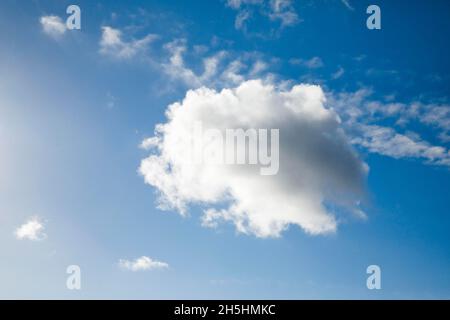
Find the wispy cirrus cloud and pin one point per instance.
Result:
(218, 69)
(338, 74)
(363, 118)
(176, 68)
(347, 4)
(281, 11)
(189, 65)
(236, 4)
(313, 63)
(388, 142)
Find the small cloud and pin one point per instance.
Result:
(200, 49)
(360, 58)
(142, 264)
(241, 17)
(258, 67)
(295, 61)
(339, 73)
(53, 26)
(313, 63)
(33, 230)
(177, 69)
(215, 69)
(284, 11)
(381, 72)
(389, 97)
(110, 100)
(112, 44)
(236, 4)
(281, 11)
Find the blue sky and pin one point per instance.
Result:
(75, 106)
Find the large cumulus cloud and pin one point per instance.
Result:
(319, 173)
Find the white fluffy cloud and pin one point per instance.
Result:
(318, 170)
(33, 230)
(53, 26)
(112, 44)
(141, 264)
